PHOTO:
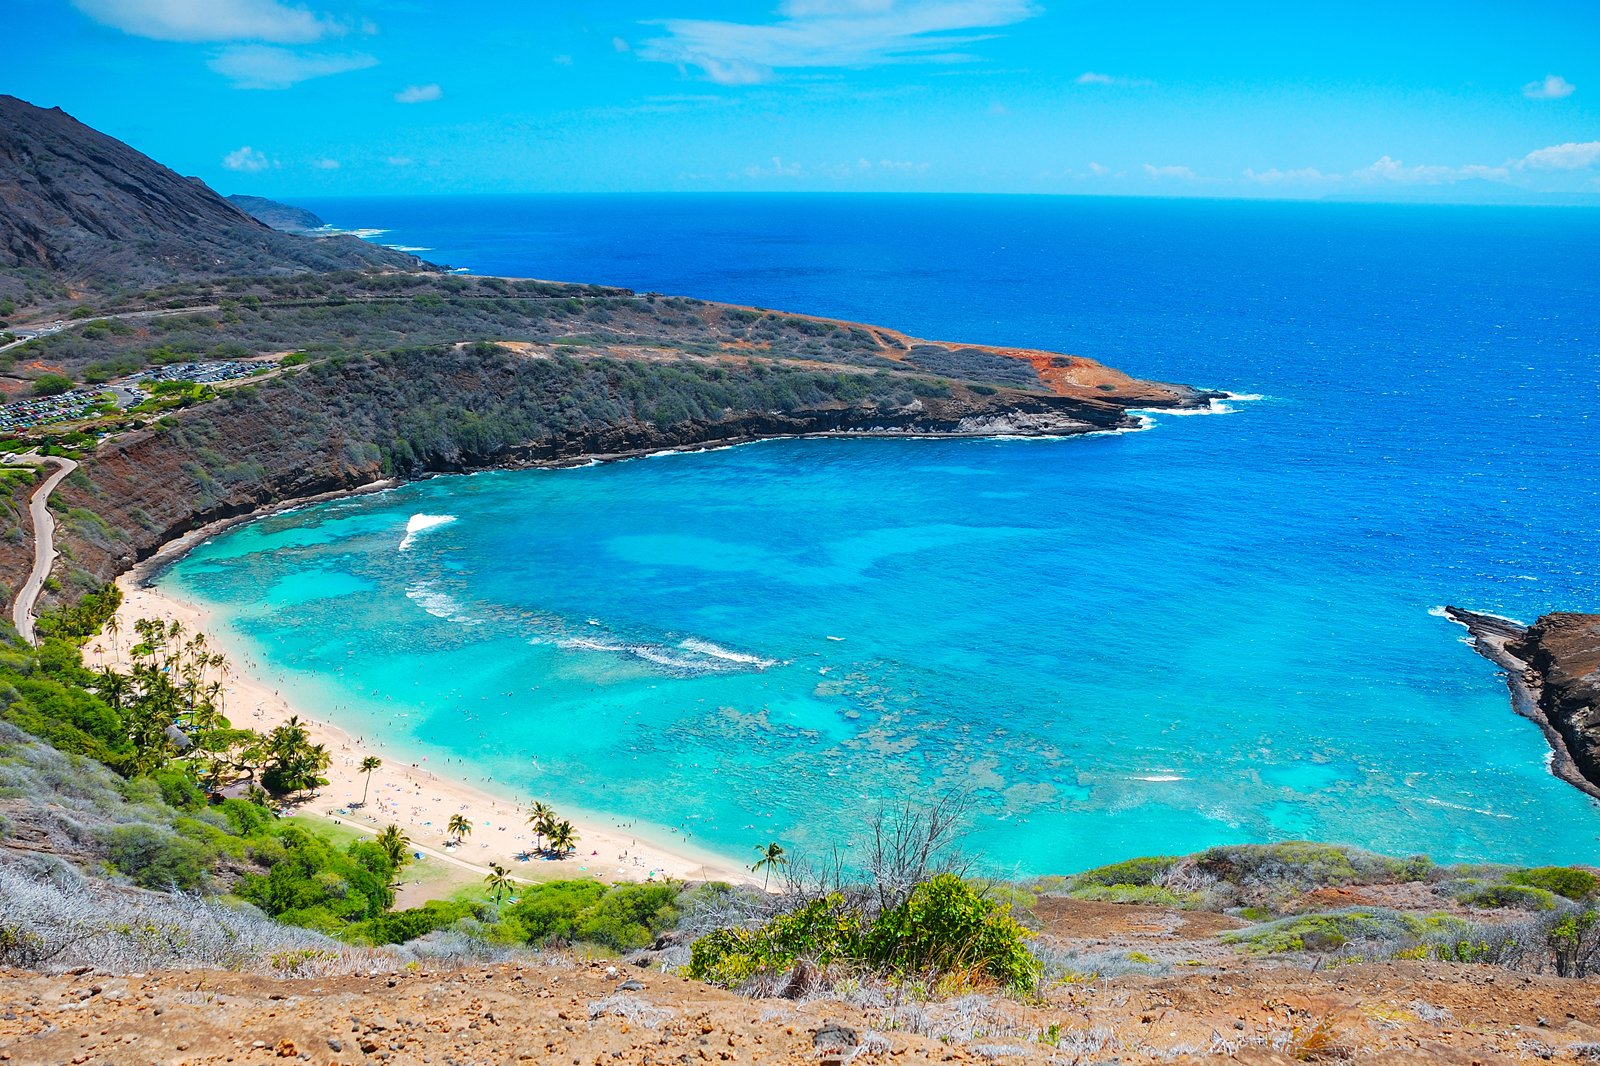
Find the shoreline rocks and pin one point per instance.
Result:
(1553, 673)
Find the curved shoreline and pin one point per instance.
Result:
(409, 794)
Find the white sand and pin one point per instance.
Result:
(418, 800)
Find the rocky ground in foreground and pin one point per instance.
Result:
(557, 1009)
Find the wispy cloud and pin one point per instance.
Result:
(1387, 170)
(325, 164)
(246, 160)
(1178, 172)
(260, 66)
(831, 33)
(1298, 176)
(1568, 156)
(1550, 87)
(1090, 77)
(211, 20)
(418, 94)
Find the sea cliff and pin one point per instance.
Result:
(1553, 670)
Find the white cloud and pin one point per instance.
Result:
(620, 45)
(260, 66)
(1183, 173)
(399, 161)
(1302, 175)
(1552, 87)
(778, 169)
(1388, 170)
(211, 20)
(1569, 156)
(1090, 77)
(246, 160)
(418, 94)
(325, 164)
(1099, 170)
(831, 33)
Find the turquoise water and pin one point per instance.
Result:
(1217, 630)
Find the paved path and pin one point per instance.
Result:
(44, 547)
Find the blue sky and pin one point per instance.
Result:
(1409, 100)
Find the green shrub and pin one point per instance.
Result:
(1142, 871)
(1332, 930)
(1149, 895)
(824, 931)
(550, 912)
(1568, 881)
(629, 916)
(1519, 897)
(946, 927)
(1299, 866)
(397, 927)
(155, 858)
(51, 385)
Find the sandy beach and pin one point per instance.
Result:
(418, 800)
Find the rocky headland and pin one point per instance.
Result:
(1553, 671)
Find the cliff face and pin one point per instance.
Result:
(94, 210)
(1562, 653)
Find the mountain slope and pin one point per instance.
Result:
(285, 217)
(101, 214)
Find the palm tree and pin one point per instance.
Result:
(539, 816)
(114, 627)
(459, 827)
(772, 856)
(499, 880)
(396, 846)
(369, 764)
(563, 837)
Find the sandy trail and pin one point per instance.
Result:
(418, 800)
(44, 551)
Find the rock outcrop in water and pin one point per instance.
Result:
(1553, 670)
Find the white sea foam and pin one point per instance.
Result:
(705, 647)
(1157, 777)
(408, 248)
(440, 604)
(421, 522)
(691, 657)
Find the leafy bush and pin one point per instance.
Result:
(397, 927)
(1142, 871)
(1149, 895)
(1270, 873)
(946, 927)
(622, 917)
(824, 930)
(1519, 897)
(1568, 881)
(1332, 930)
(51, 385)
(155, 858)
(943, 927)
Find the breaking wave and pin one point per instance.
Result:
(422, 522)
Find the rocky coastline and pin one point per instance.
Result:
(142, 490)
(1552, 669)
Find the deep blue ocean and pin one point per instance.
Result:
(1217, 630)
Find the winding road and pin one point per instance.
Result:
(44, 546)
